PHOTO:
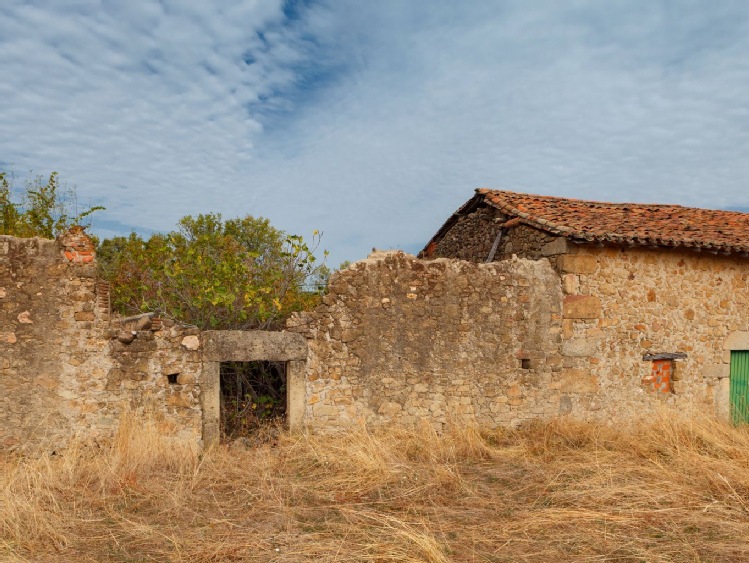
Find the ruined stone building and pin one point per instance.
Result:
(519, 307)
(526, 306)
(654, 297)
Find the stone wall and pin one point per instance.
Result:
(604, 333)
(65, 370)
(526, 242)
(400, 340)
(622, 304)
(595, 332)
(472, 238)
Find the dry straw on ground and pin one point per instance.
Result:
(669, 489)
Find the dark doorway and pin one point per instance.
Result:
(253, 397)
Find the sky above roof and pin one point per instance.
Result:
(373, 121)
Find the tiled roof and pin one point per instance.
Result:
(626, 223)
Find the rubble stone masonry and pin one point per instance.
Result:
(651, 302)
(565, 329)
(401, 340)
(622, 305)
(64, 370)
(473, 235)
(594, 332)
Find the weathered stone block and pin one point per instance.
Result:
(250, 346)
(716, 371)
(581, 307)
(580, 347)
(9, 337)
(324, 410)
(514, 391)
(179, 400)
(565, 404)
(126, 336)
(577, 381)
(570, 284)
(191, 342)
(186, 379)
(389, 408)
(349, 335)
(577, 263)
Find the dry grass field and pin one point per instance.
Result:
(669, 489)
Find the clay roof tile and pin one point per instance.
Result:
(627, 223)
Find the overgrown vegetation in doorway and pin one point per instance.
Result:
(253, 397)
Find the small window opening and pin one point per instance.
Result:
(253, 397)
(525, 363)
(661, 376)
(172, 378)
(662, 371)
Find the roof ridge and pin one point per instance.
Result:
(484, 191)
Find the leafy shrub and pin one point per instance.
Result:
(214, 273)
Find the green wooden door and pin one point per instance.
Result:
(740, 387)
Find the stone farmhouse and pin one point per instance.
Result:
(654, 296)
(520, 307)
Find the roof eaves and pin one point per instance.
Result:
(562, 230)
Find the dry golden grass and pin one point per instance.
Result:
(670, 489)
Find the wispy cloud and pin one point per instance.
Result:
(374, 120)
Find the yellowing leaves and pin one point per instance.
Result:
(215, 273)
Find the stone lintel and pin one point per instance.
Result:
(252, 346)
(664, 356)
(738, 340)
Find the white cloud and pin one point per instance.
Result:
(373, 121)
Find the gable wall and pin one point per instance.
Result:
(472, 237)
(526, 242)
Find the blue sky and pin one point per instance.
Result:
(373, 121)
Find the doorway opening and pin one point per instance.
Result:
(252, 397)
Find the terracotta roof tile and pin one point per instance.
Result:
(626, 223)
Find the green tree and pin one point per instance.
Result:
(214, 273)
(44, 210)
(9, 214)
